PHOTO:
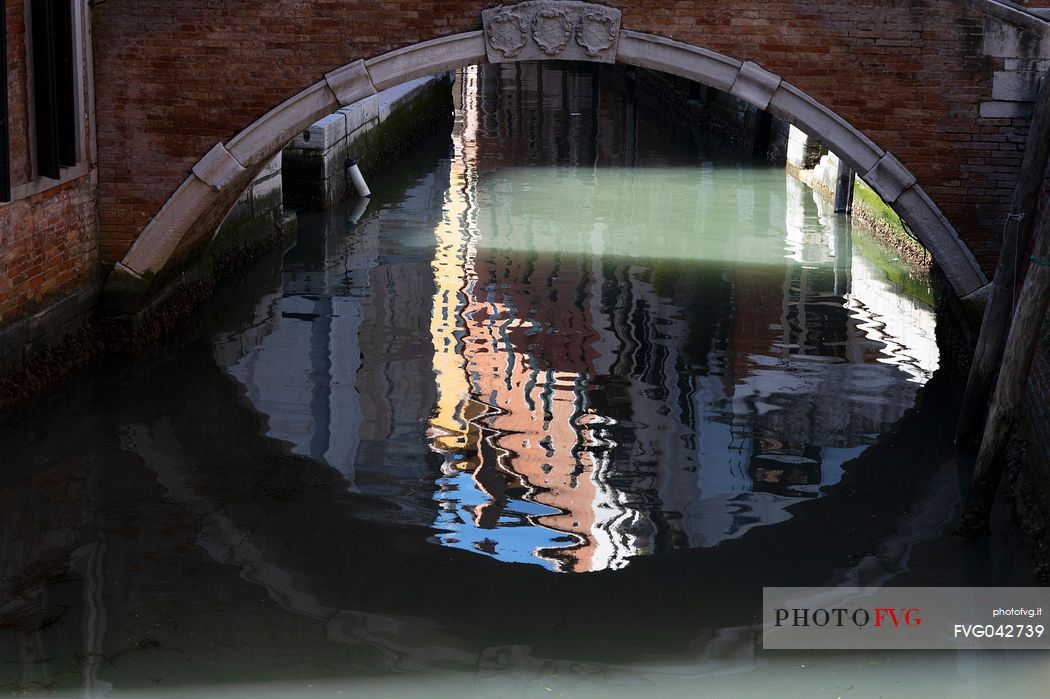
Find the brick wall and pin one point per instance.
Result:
(175, 78)
(48, 241)
(48, 246)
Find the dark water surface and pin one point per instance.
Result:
(577, 339)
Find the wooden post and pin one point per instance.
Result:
(844, 188)
(997, 314)
(1009, 389)
(763, 134)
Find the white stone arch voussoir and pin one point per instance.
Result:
(225, 165)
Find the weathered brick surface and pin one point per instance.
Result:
(49, 241)
(175, 77)
(48, 246)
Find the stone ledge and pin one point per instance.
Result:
(1015, 86)
(1031, 19)
(314, 171)
(330, 131)
(31, 335)
(1007, 39)
(322, 134)
(1006, 110)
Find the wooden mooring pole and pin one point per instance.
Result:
(844, 189)
(1009, 388)
(997, 314)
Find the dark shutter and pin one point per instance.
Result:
(54, 86)
(45, 96)
(5, 154)
(65, 82)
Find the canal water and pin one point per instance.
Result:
(540, 419)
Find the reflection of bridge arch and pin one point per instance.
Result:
(203, 198)
(353, 584)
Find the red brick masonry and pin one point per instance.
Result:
(48, 241)
(174, 78)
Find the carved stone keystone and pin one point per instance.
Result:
(545, 30)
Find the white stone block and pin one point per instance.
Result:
(1010, 41)
(827, 172)
(755, 85)
(889, 178)
(796, 148)
(1006, 110)
(1001, 39)
(1027, 65)
(351, 83)
(323, 134)
(217, 168)
(389, 99)
(360, 113)
(271, 168)
(1014, 86)
(268, 179)
(363, 129)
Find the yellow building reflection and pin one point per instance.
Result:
(633, 357)
(522, 451)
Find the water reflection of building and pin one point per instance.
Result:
(589, 411)
(337, 360)
(570, 345)
(509, 421)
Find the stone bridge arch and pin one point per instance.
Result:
(546, 30)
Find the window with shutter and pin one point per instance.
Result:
(54, 86)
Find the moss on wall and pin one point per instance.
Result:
(869, 209)
(408, 123)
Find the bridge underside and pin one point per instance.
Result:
(204, 197)
(913, 96)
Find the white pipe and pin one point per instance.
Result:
(359, 210)
(357, 178)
